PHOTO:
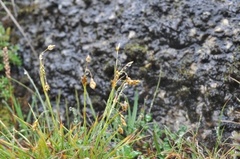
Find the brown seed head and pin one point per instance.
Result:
(46, 87)
(34, 125)
(132, 82)
(84, 80)
(88, 59)
(118, 47)
(115, 80)
(6, 62)
(120, 129)
(123, 122)
(92, 83)
(124, 106)
(51, 47)
(113, 83)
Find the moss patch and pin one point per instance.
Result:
(135, 51)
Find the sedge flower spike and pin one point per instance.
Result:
(51, 47)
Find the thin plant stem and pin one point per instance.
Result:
(77, 99)
(91, 107)
(67, 112)
(84, 107)
(156, 91)
(39, 96)
(45, 86)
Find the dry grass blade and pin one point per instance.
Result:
(234, 79)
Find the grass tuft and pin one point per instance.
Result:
(48, 137)
(121, 131)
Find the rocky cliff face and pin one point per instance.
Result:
(195, 44)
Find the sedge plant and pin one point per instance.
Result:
(47, 136)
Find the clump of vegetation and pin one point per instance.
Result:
(121, 131)
(8, 56)
(48, 137)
